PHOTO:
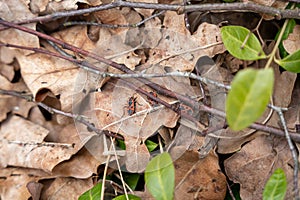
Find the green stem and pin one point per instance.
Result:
(272, 55)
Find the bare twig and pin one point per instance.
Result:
(215, 7)
(114, 25)
(292, 149)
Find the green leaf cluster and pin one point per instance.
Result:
(251, 89)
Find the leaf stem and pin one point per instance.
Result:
(272, 55)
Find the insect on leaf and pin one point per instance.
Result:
(160, 177)
(249, 95)
(92, 194)
(275, 188)
(234, 38)
(291, 62)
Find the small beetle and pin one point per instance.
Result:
(131, 105)
(152, 102)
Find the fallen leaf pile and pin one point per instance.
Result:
(51, 156)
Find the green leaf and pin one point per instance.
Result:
(151, 145)
(131, 179)
(291, 62)
(289, 29)
(275, 188)
(160, 177)
(121, 144)
(234, 37)
(130, 196)
(92, 194)
(249, 95)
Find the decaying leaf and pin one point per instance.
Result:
(199, 179)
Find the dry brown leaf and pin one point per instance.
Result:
(66, 188)
(180, 50)
(13, 104)
(137, 154)
(145, 12)
(292, 44)
(83, 165)
(56, 75)
(255, 163)
(35, 189)
(14, 180)
(271, 3)
(10, 11)
(292, 116)
(112, 16)
(199, 179)
(46, 6)
(24, 139)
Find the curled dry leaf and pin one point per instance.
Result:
(292, 44)
(199, 179)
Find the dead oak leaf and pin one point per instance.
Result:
(22, 145)
(199, 179)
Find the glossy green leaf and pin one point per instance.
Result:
(92, 194)
(249, 95)
(291, 62)
(275, 188)
(234, 37)
(151, 145)
(160, 177)
(131, 179)
(130, 196)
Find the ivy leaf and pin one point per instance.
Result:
(130, 196)
(291, 62)
(92, 194)
(160, 177)
(275, 188)
(249, 95)
(234, 37)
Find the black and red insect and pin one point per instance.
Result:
(131, 105)
(152, 102)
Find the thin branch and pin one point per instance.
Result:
(215, 7)
(71, 23)
(292, 149)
